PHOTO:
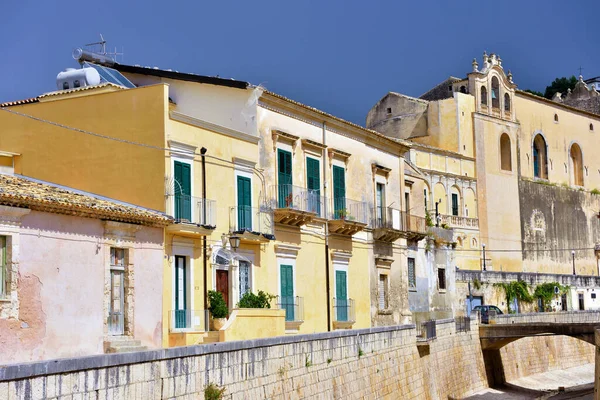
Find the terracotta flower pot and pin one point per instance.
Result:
(217, 323)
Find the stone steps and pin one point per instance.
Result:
(211, 337)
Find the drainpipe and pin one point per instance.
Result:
(328, 289)
(204, 261)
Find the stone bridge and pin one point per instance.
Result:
(504, 329)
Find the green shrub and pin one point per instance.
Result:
(212, 391)
(595, 191)
(217, 305)
(260, 300)
(545, 291)
(428, 219)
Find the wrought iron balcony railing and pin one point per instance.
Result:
(391, 218)
(293, 306)
(343, 310)
(193, 210)
(297, 198)
(251, 219)
(350, 210)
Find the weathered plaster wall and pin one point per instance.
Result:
(555, 221)
(379, 362)
(407, 119)
(61, 292)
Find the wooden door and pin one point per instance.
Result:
(341, 294)
(287, 291)
(223, 284)
(284, 178)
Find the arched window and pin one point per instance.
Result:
(506, 102)
(591, 127)
(505, 156)
(555, 117)
(483, 96)
(540, 157)
(76, 83)
(576, 159)
(463, 89)
(456, 200)
(495, 93)
(65, 85)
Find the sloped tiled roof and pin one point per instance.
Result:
(19, 191)
(19, 102)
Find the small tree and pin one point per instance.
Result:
(515, 290)
(217, 305)
(561, 85)
(546, 292)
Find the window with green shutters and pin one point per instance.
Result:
(287, 291)
(284, 179)
(244, 202)
(313, 184)
(180, 292)
(183, 191)
(341, 295)
(454, 204)
(339, 192)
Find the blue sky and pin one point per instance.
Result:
(338, 56)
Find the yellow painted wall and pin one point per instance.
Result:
(247, 323)
(109, 168)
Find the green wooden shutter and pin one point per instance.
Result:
(284, 161)
(180, 293)
(183, 191)
(287, 291)
(454, 204)
(244, 203)
(313, 184)
(339, 192)
(341, 295)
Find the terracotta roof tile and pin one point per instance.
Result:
(19, 102)
(18, 191)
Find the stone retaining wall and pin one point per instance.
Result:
(380, 362)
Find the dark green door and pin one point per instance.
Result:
(180, 293)
(339, 192)
(313, 184)
(183, 191)
(341, 295)
(284, 188)
(287, 291)
(244, 194)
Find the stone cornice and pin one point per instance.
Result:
(187, 119)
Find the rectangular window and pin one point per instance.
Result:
(380, 201)
(284, 178)
(454, 204)
(116, 312)
(244, 277)
(287, 291)
(412, 274)
(383, 284)
(183, 191)
(441, 278)
(407, 201)
(3, 268)
(244, 202)
(313, 184)
(339, 192)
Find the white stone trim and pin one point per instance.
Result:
(186, 119)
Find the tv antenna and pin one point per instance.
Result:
(100, 48)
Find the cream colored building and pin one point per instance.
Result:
(510, 170)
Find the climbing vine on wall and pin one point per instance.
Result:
(515, 290)
(546, 292)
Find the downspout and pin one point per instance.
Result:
(327, 283)
(204, 260)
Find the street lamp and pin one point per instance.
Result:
(483, 245)
(573, 256)
(234, 242)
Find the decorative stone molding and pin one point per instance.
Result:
(339, 154)
(120, 230)
(289, 250)
(283, 137)
(180, 149)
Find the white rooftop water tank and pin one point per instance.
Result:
(72, 78)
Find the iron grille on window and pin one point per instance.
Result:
(412, 276)
(441, 278)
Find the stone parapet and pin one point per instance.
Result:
(532, 278)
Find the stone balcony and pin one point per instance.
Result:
(454, 221)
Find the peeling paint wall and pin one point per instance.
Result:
(60, 288)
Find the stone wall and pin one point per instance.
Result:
(378, 362)
(531, 355)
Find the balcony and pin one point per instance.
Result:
(344, 314)
(294, 205)
(348, 216)
(390, 224)
(188, 320)
(252, 224)
(294, 311)
(454, 221)
(194, 216)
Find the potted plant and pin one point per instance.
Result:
(218, 309)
